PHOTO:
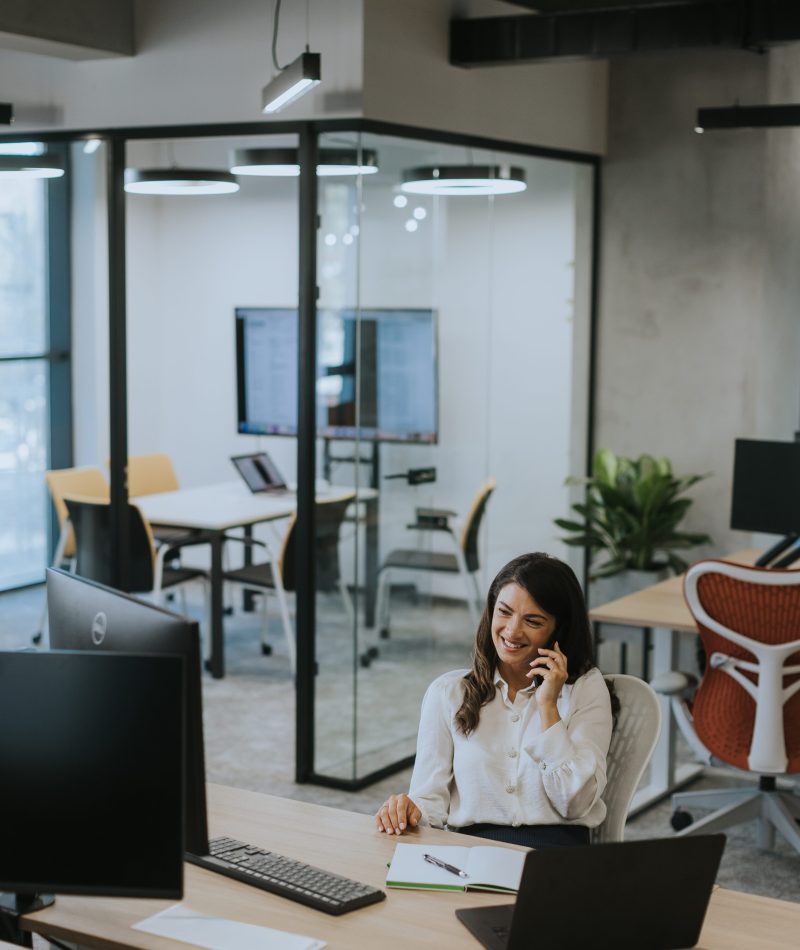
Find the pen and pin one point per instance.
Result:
(443, 864)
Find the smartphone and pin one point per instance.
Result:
(538, 680)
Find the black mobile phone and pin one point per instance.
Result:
(538, 680)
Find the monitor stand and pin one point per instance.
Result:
(769, 556)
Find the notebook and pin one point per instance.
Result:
(486, 868)
(623, 895)
(259, 472)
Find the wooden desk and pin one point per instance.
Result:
(662, 608)
(347, 843)
(216, 509)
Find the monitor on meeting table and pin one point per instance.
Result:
(84, 615)
(376, 373)
(91, 759)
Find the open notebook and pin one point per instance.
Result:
(487, 868)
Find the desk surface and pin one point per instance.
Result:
(228, 505)
(660, 605)
(347, 843)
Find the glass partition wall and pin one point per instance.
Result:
(422, 369)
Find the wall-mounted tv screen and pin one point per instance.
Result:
(377, 368)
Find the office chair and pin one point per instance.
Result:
(280, 574)
(463, 560)
(149, 570)
(746, 711)
(636, 731)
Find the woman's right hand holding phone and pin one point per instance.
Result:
(397, 814)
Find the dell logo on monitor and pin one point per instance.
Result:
(99, 626)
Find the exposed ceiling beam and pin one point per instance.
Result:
(527, 38)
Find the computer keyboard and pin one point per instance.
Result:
(273, 872)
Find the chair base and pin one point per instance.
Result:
(773, 810)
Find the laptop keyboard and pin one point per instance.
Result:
(273, 872)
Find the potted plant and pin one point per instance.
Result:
(631, 515)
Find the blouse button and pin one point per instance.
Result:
(513, 753)
(543, 766)
(515, 717)
(511, 788)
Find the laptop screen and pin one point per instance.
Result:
(259, 472)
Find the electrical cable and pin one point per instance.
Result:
(275, 24)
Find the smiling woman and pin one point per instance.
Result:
(515, 748)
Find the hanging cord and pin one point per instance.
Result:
(275, 24)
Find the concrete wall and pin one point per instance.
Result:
(408, 79)
(699, 336)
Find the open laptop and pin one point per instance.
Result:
(259, 472)
(624, 895)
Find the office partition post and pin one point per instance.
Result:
(117, 363)
(306, 457)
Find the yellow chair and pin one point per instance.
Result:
(87, 481)
(151, 474)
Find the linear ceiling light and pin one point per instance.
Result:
(463, 180)
(31, 166)
(22, 148)
(292, 81)
(283, 162)
(179, 181)
(747, 117)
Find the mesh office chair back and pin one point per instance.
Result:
(737, 607)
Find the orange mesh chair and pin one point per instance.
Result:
(746, 711)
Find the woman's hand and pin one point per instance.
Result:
(397, 814)
(552, 667)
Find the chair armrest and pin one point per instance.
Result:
(673, 683)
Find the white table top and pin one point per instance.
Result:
(229, 505)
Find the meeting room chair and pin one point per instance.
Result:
(636, 730)
(279, 574)
(462, 560)
(745, 712)
(150, 571)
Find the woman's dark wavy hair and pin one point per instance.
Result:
(555, 588)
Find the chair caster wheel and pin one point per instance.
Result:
(207, 665)
(37, 638)
(266, 649)
(373, 652)
(227, 611)
(384, 633)
(680, 819)
(365, 660)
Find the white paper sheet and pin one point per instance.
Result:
(217, 933)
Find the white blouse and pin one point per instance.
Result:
(509, 771)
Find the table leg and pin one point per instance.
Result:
(249, 598)
(665, 776)
(371, 561)
(216, 665)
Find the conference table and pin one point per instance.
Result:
(662, 610)
(348, 844)
(217, 509)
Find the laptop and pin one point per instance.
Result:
(623, 895)
(259, 473)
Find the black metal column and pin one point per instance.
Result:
(306, 458)
(117, 364)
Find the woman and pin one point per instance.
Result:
(515, 748)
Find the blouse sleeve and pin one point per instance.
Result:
(433, 768)
(572, 755)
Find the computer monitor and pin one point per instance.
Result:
(375, 367)
(91, 758)
(766, 487)
(84, 615)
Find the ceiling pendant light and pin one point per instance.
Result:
(293, 80)
(31, 166)
(463, 180)
(179, 181)
(284, 162)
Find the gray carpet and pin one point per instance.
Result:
(249, 722)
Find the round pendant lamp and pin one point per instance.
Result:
(463, 180)
(179, 181)
(284, 162)
(31, 166)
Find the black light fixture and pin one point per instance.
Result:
(747, 117)
(6, 113)
(179, 181)
(284, 162)
(463, 180)
(292, 81)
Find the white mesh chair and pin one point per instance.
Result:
(633, 740)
